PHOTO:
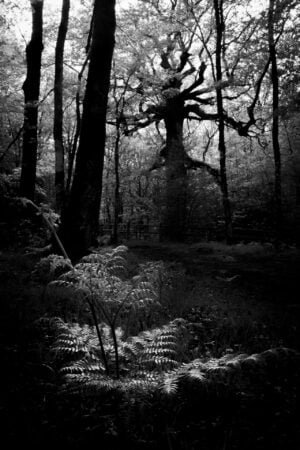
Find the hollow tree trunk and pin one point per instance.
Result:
(80, 221)
(218, 7)
(58, 107)
(173, 228)
(31, 88)
(275, 125)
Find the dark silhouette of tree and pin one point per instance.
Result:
(31, 88)
(58, 106)
(80, 219)
(220, 29)
(275, 117)
(119, 105)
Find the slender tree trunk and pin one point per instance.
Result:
(58, 107)
(275, 125)
(117, 199)
(107, 205)
(116, 350)
(80, 224)
(174, 222)
(73, 148)
(31, 88)
(218, 7)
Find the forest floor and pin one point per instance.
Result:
(246, 297)
(251, 283)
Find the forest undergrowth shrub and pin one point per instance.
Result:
(147, 411)
(141, 359)
(20, 225)
(139, 373)
(50, 268)
(100, 291)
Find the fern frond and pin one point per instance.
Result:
(74, 340)
(92, 258)
(228, 368)
(160, 351)
(113, 262)
(170, 384)
(87, 385)
(83, 367)
(160, 362)
(157, 349)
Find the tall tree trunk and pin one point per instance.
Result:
(117, 198)
(275, 125)
(58, 107)
(80, 221)
(31, 88)
(73, 148)
(174, 221)
(218, 7)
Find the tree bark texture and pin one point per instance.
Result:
(58, 107)
(173, 228)
(80, 224)
(218, 8)
(275, 124)
(31, 88)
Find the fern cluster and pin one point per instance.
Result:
(153, 360)
(101, 279)
(100, 284)
(153, 367)
(142, 359)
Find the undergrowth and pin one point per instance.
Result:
(115, 307)
(127, 370)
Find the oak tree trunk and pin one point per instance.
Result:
(31, 88)
(58, 107)
(80, 221)
(173, 228)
